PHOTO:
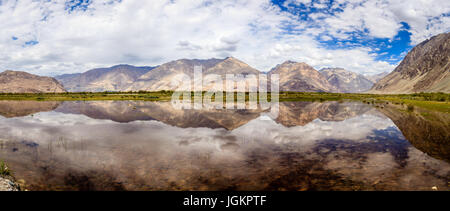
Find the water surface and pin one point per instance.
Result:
(126, 145)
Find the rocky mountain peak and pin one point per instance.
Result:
(291, 63)
(232, 62)
(231, 65)
(15, 73)
(346, 81)
(299, 76)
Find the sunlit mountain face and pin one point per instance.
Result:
(61, 37)
(149, 146)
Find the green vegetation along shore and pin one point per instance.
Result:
(434, 101)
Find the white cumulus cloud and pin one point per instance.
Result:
(44, 37)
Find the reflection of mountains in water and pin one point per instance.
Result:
(24, 108)
(301, 113)
(363, 153)
(128, 111)
(430, 134)
(290, 113)
(428, 131)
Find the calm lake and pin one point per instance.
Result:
(136, 145)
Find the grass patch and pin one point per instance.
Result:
(89, 96)
(434, 101)
(430, 105)
(4, 170)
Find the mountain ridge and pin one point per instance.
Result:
(294, 76)
(346, 81)
(426, 68)
(115, 78)
(300, 77)
(23, 82)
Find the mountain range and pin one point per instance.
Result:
(294, 76)
(425, 69)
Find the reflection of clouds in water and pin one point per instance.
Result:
(356, 128)
(380, 170)
(70, 125)
(377, 166)
(145, 147)
(56, 118)
(154, 138)
(163, 140)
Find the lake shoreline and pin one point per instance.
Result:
(433, 101)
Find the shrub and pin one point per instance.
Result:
(4, 170)
(410, 108)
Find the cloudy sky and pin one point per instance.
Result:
(50, 37)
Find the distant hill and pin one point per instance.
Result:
(426, 68)
(116, 78)
(23, 82)
(346, 81)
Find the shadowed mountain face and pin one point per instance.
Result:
(300, 77)
(117, 78)
(426, 68)
(345, 81)
(22, 82)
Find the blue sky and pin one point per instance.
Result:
(50, 37)
(391, 50)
